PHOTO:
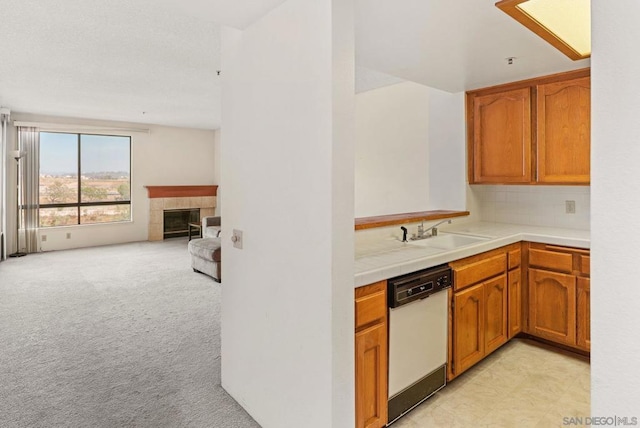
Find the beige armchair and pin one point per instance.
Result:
(206, 257)
(211, 226)
(206, 254)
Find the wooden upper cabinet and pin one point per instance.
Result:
(564, 132)
(531, 131)
(501, 141)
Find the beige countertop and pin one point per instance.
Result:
(381, 258)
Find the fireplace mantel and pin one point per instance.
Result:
(181, 191)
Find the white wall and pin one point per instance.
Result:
(164, 156)
(287, 168)
(615, 229)
(392, 150)
(447, 151)
(410, 148)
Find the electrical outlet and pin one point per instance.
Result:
(68, 235)
(236, 238)
(43, 238)
(570, 207)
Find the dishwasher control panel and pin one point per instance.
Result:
(418, 285)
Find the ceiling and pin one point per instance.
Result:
(451, 45)
(156, 61)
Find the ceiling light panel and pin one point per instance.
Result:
(566, 24)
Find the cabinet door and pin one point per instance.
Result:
(584, 314)
(371, 377)
(552, 306)
(564, 130)
(515, 302)
(496, 308)
(468, 328)
(501, 140)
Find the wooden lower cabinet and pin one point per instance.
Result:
(481, 306)
(552, 306)
(514, 281)
(468, 327)
(371, 354)
(559, 294)
(479, 322)
(495, 313)
(371, 376)
(487, 301)
(583, 333)
(533, 288)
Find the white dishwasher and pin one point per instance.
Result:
(418, 319)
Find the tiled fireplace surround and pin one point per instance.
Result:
(163, 198)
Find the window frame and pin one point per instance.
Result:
(79, 204)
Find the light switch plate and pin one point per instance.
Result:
(236, 238)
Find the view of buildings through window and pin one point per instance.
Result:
(84, 179)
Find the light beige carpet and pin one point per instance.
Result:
(117, 336)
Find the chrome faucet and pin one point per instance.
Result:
(423, 233)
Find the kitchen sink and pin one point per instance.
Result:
(449, 241)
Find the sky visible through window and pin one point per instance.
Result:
(100, 153)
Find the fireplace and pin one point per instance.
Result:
(176, 222)
(178, 198)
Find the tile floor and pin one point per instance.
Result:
(523, 384)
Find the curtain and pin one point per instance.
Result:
(4, 120)
(29, 165)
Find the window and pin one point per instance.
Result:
(84, 179)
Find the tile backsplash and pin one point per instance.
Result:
(534, 205)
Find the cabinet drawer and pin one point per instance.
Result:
(514, 259)
(473, 273)
(551, 260)
(371, 303)
(585, 265)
